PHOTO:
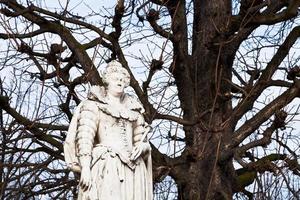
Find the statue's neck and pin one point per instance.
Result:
(114, 98)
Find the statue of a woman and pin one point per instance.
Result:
(107, 142)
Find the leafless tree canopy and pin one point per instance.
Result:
(219, 81)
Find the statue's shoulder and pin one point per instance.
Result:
(133, 103)
(90, 105)
(97, 94)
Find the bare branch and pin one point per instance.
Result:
(152, 17)
(22, 36)
(64, 33)
(266, 75)
(116, 23)
(252, 124)
(4, 104)
(271, 18)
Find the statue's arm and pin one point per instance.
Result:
(140, 141)
(86, 131)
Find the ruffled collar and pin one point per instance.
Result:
(129, 110)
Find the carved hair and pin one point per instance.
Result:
(115, 67)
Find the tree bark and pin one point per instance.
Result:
(203, 177)
(205, 73)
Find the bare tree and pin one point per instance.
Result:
(219, 82)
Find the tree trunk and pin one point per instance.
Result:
(204, 177)
(203, 185)
(202, 82)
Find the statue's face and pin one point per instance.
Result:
(116, 83)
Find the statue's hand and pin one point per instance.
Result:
(85, 178)
(138, 150)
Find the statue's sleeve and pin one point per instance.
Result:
(140, 132)
(87, 128)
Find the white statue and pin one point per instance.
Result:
(107, 142)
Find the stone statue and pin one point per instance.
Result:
(107, 142)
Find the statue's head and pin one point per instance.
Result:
(112, 68)
(115, 75)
